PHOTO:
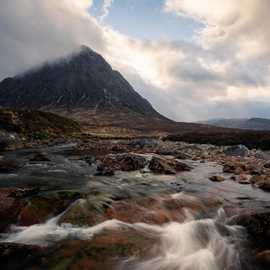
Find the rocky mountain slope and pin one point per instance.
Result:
(252, 123)
(83, 81)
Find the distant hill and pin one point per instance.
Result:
(251, 124)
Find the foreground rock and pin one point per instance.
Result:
(237, 150)
(257, 225)
(8, 166)
(9, 140)
(40, 157)
(10, 208)
(217, 178)
(167, 166)
(122, 162)
(261, 181)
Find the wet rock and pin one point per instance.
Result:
(40, 208)
(9, 140)
(141, 143)
(17, 256)
(89, 160)
(267, 165)
(257, 225)
(40, 157)
(262, 182)
(104, 171)
(264, 185)
(234, 167)
(181, 155)
(8, 166)
(122, 162)
(237, 150)
(166, 152)
(262, 155)
(10, 208)
(167, 166)
(263, 258)
(217, 178)
(24, 192)
(243, 179)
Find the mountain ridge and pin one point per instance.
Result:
(81, 81)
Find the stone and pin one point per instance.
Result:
(264, 185)
(217, 178)
(10, 208)
(181, 155)
(122, 162)
(167, 166)
(9, 140)
(263, 258)
(257, 225)
(8, 166)
(262, 182)
(237, 150)
(40, 157)
(267, 165)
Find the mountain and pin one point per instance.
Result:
(251, 123)
(84, 87)
(83, 81)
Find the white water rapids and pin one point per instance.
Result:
(205, 244)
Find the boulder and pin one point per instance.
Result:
(8, 166)
(167, 166)
(262, 182)
(141, 143)
(40, 157)
(9, 208)
(263, 258)
(181, 155)
(9, 140)
(122, 162)
(267, 165)
(234, 167)
(257, 225)
(237, 150)
(217, 178)
(18, 256)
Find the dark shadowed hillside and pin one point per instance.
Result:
(83, 81)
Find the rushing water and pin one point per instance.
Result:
(205, 243)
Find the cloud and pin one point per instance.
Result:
(105, 9)
(36, 31)
(220, 73)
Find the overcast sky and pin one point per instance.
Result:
(193, 59)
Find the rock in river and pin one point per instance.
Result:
(237, 150)
(122, 162)
(217, 178)
(167, 166)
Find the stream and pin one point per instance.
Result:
(199, 237)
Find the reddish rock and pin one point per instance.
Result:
(263, 258)
(8, 166)
(167, 166)
(217, 178)
(9, 208)
(123, 162)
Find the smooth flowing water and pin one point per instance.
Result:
(196, 243)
